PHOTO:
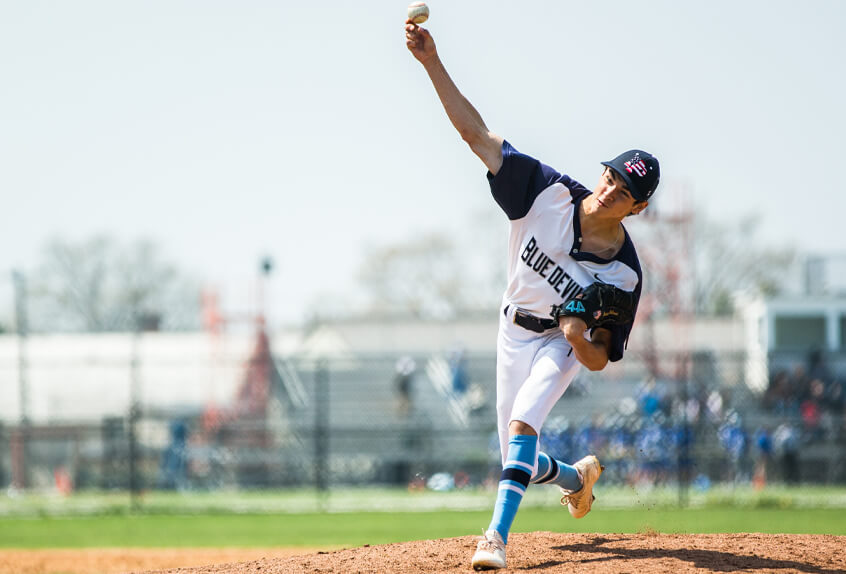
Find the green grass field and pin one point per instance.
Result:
(355, 529)
(377, 516)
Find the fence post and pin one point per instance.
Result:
(20, 446)
(321, 430)
(684, 461)
(134, 411)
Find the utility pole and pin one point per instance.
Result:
(19, 442)
(265, 268)
(321, 431)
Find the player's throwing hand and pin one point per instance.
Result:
(420, 43)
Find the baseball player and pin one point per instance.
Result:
(574, 281)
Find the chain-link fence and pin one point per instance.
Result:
(686, 419)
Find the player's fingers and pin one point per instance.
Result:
(413, 44)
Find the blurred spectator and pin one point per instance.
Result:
(556, 440)
(654, 451)
(64, 481)
(810, 410)
(654, 398)
(786, 445)
(733, 439)
(807, 391)
(592, 437)
(763, 454)
(798, 382)
(458, 370)
(173, 465)
(840, 426)
(778, 396)
(684, 438)
(834, 398)
(715, 406)
(817, 369)
(649, 399)
(403, 381)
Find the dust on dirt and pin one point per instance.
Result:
(548, 552)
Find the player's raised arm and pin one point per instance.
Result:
(484, 143)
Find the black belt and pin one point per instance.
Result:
(530, 322)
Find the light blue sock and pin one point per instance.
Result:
(551, 471)
(516, 474)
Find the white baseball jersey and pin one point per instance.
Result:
(545, 264)
(545, 267)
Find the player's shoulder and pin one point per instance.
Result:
(518, 165)
(522, 179)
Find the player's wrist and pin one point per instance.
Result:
(576, 340)
(574, 329)
(430, 61)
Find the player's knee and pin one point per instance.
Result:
(519, 427)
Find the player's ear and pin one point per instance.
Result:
(638, 207)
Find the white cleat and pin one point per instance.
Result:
(490, 552)
(578, 502)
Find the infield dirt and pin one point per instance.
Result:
(547, 552)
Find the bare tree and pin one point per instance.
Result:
(99, 284)
(421, 277)
(697, 265)
(427, 276)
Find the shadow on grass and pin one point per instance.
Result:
(713, 560)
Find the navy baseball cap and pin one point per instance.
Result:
(640, 171)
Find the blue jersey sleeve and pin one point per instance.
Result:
(521, 179)
(620, 333)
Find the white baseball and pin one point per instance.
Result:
(418, 12)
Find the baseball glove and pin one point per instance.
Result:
(599, 305)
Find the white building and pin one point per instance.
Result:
(84, 377)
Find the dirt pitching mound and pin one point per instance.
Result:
(117, 560)
(542, 552)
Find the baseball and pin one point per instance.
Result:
(418, 12)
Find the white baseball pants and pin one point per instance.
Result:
(532, 372)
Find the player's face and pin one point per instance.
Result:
(611, 198)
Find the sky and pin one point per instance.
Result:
(230, 131)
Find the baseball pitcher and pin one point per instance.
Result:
(574, 281)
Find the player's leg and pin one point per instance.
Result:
(516, 349)
(575, 481)
(555, 363)
(548, 377)
(516, 472)
(515, 353)
(514, 480)
(552, 471)
(554, 369)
